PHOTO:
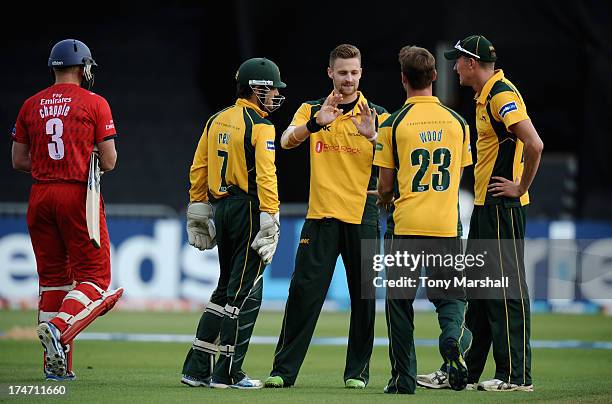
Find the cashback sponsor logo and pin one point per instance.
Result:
(322, 147)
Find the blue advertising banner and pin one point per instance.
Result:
(152, 261)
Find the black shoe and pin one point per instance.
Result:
(455, 365)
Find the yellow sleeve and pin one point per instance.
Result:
(466, 153)
(383, 156)
(508, 107)
(198, 174)
(383, 117)
(302, 115)
(267, 188)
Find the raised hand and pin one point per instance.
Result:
(367, 126)
(329, 110)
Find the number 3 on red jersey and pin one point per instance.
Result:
(55, 128)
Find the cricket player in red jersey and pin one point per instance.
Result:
(53, 139)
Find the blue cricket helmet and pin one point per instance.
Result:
(70, 52)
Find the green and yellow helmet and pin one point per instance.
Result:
(259, 72)
(262, 75)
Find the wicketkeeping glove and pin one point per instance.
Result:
(266, 239)
(200, 226)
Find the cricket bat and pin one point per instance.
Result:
(92, 203)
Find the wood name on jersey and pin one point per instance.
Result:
(431, 136)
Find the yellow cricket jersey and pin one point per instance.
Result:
(499, 152)
(340, 163)
(236, 149)
(428, 144)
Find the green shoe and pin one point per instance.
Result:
(274, 382)
(354, 384)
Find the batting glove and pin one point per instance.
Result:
(200, 226)
(266, 239)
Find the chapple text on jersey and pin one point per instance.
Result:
(55, 106)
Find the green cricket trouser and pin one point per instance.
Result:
(503, 322)
(321, 241)
(227, 323)
(450, 307)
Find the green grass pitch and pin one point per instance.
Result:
(119, 371)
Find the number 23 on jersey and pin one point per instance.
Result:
(440, 179)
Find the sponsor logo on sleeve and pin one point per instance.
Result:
(14, 131)
(507, 108)
(110, 125)
(379, 146)
(270, 145)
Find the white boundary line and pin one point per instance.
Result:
(323, 341)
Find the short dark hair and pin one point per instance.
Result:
(486, 65)
(243, 91)
(344, 51)
(418, 65)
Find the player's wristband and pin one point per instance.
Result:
(313, 126)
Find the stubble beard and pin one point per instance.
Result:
(347, 91)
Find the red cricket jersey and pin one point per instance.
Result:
(61, 124)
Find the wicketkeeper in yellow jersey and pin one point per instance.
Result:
(422, 149)
(508, 155)
(234, 164)
(342, 130)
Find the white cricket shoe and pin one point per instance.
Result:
(55, 357)
(499, 385)
(435, 380)
(245, 384)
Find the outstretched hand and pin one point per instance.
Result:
(367, 126)
(329, 110)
